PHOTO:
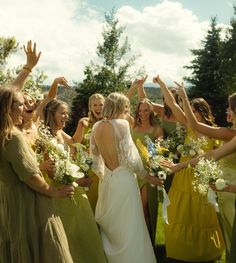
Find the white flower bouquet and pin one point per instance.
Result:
(205, 173)
(47, 147)
(193, 148)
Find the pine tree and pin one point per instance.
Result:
(111, 74)
(207, 76)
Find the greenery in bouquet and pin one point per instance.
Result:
(193, 148)
(83, 159)
(47, 147)
(205, 173)
(174, 139)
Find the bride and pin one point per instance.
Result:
(119, 210)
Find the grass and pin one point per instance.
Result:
(160, 242)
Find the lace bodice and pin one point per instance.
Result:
(127, 152)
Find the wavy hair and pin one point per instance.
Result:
(204, 109)
(153, 116)
(49, 114)
(92, 118)
(114, 105)
(7, 95)
(232, 102)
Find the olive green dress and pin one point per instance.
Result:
(152, 191)
(30, 232)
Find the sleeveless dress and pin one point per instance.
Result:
(92, 192)
(152, 191)
(193, 233)
(31, 232)
(119, 212)
(227, 201)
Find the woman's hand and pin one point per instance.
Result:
(157, 80)
(32, 57)
(47, 165)
(154, 180)
(181, 91)
(174, 167)
(85, 181)
(64, 191)
(61, 81)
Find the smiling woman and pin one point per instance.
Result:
(26, 195)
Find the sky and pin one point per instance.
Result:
(161, 33)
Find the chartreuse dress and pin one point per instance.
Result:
(30, 230)
(193, 233)
(80, 227)
(152, 191)
(227, 201)
(92, 191)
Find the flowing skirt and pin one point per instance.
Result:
(120, 216)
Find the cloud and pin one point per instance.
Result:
(67, 32)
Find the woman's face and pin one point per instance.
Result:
(61, 116)
(197, 115)
(17, 109)
(29, 107)
(144, 112)
(96, 107)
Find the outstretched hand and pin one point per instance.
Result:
(139, 82)
(157, 80)
(181, 90)
(32, 57)
(172, 166)
(61, 81)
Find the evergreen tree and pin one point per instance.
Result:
(229, 57)
(110, 75)
(207, 76)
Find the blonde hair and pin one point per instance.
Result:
(114, 105)
(95, 96)
(49, 114)
(7, 96)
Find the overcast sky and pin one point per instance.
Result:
(67, 31)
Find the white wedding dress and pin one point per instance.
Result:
(119, 212)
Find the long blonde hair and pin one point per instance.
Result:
(92, 118)
(114, 105)
(7, 95)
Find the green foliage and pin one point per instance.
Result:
(207, 74)
(111, 74)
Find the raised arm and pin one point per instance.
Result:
(136, 85)
(32, 59)
(170, 101)
(51, 95)
(220, 133)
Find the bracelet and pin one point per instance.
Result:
(27, 68)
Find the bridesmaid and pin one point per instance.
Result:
(226, 201)
(146, 124)
(82, 135)
(77, 217)
(192, 221)
(37, 235)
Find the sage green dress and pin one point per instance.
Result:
(152, 191)
(30, 232)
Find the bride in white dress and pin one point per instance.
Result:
(119, 212)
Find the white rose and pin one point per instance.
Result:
(220, 184)
(162, 175)
(180, 147)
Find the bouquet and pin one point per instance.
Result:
(193, 148)
(83, 159)
(156, 153)
(205, 173)
(66, 171)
